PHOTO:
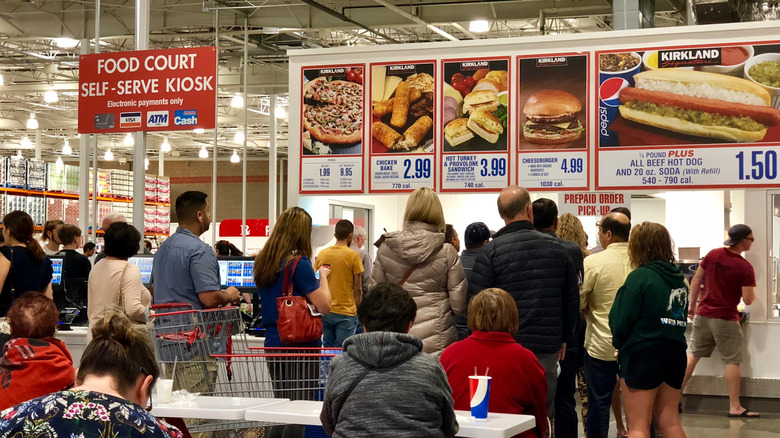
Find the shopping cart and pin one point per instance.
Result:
(212, 356)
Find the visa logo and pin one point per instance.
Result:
(130, 120)
(185, 117)
(156, 118)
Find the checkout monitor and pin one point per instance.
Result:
(144, 263)
(238, 272)
(56, 267)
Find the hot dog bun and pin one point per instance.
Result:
(686, 127)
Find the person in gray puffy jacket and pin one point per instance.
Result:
(382, 385)
(437, 283)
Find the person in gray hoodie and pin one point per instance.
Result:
(383, 385)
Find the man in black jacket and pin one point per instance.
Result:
(536, 270)
(546, 221)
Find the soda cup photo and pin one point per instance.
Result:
(479, 394)
(616, 72)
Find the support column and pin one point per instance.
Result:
(85, 170)
(139, 150)
(216, 135)
(272, 158)
(633, 14)
(161, 165)
(246, 137)
(38, 144)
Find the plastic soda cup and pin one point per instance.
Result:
(164, 387)
(479, 394)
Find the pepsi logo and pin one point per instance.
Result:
(609, 91)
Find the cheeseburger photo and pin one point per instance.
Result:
(699, 103)
(552, 118)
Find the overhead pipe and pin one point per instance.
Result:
(343, 17)
(417, 20)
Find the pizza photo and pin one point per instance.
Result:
(332, 111)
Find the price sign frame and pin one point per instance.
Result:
(587, 111)
(493, 154)
(325, 159)
(408, 187)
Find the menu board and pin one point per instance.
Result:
(474, 134)
(553, 122)
(688, 117)
(402, 114)
(332, 129)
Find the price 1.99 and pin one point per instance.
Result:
(572, 165)
(324, 171)
(497, 167)
(763, 165)
(422, 168)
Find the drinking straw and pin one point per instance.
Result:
(475, 371)
(486, 371)
(175, 360)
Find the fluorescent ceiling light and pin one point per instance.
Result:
(165, 146)
(203, 152)
(237, 101)
(18, 155)
(50, 96)
(146, 163)
(26, 143)
(108, 156)
(479, 26)
(129, 140)
(199, 130)
(66, 43)
(66, 150)
(239, 137)
(2, 82)
(31, 122)
(235, 158)
(280, 113)
(59, 162)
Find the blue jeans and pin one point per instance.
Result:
(601, 377)
(337, 328)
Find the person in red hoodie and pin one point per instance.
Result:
(34, 363)
(518, 383)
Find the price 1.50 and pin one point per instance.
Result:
(422, 168)
(763, 165)
(572, 165)
(497, 167)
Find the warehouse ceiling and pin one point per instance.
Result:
(34, 57)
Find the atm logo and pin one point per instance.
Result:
(185, 117)
(155, 119)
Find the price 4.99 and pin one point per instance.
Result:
(572, 165)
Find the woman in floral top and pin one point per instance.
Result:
(114, 382)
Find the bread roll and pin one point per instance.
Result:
(385, 134)
(400, 105)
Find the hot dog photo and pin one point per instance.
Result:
(332, 110)
(683, 96)
(475, 105)
(552, 95)
(402, 108)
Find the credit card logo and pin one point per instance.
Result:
(156, 119)
(104, 121)
(185, 117)
(130, 120)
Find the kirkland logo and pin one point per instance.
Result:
(156, 119)
(185, 117)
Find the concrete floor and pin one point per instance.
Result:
(718, 425)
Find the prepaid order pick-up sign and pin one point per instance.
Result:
(148, 90)
(592, 203)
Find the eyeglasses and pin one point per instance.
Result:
(750, 238)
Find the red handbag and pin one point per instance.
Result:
(296, 324)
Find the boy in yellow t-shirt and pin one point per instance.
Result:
(345, 286)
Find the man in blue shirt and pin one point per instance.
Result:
(186, 268)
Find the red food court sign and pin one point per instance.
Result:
(254, 228)
(147, 90)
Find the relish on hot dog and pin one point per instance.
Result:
(699, 103)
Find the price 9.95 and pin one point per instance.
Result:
(422, 168)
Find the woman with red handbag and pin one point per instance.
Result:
(291, 300)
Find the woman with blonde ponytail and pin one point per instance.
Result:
(23, 266)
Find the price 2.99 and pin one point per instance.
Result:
(422, 168)
(763, 165)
